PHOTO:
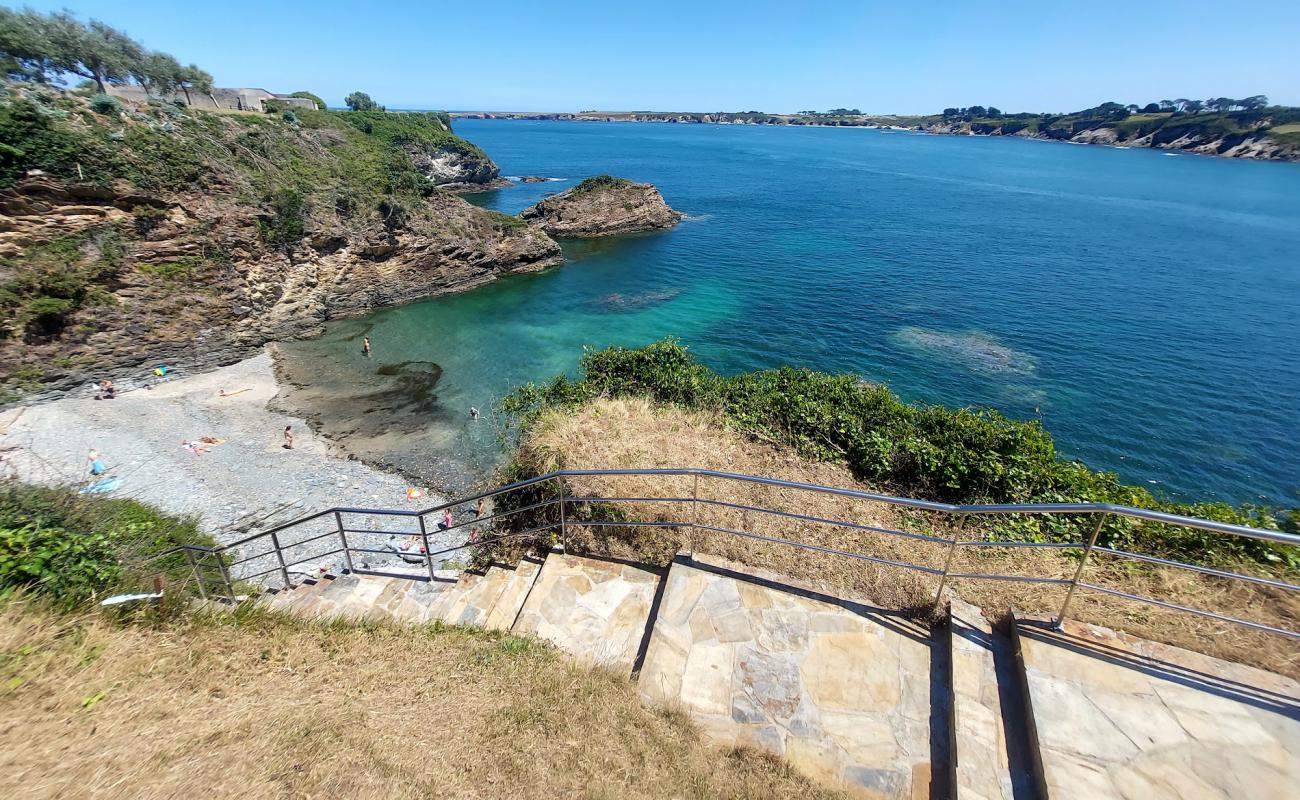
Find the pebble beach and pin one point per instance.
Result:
(245, 484)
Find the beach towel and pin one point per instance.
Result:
(102, 485)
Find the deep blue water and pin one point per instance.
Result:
(1144, 306)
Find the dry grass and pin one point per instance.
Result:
(635, 434)
(257, 706)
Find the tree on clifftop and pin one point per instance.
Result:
(360, 101)
(96, 51)
(48, 47)
(192, 77)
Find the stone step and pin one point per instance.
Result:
(512, 599)
(841, 691)
(303, 593)
(595, 609)
(1112, 715)
(474, 596)
(360, 596)
(990, 747)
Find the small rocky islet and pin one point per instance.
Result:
(603, 206)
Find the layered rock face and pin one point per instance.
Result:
(456, 171)
(1249, 144)
(195, 284)
(603, 206)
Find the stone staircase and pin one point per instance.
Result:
(867, 700)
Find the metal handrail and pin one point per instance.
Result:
(951, 543)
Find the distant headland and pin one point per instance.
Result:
(1246, 128)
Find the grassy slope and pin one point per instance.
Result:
(252, 706)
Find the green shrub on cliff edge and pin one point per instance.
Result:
(953, 455)
(598, 182)
(72, 548)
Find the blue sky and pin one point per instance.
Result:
(707, 55)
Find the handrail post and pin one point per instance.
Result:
(347, 554)
(194, 570)
(225, 576)
(564, 530)
(428, 551)
(1074, 582)
(695, 511)
(947, 562)
(279, 554)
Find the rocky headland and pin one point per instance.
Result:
(602, 206)
(155, 235)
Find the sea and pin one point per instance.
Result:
(1143, 305)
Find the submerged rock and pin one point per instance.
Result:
(603, 206)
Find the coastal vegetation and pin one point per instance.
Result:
(965, 456)
(69, 549)
(598, 182)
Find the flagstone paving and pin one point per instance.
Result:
(842, 693)
(982, 756)
(595, 609)
(474, 597)
(1118, 716)
(512, 599)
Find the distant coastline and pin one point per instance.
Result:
(1251, 135)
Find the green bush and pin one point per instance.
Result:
(506, 220)
(105, 104)
(599, 182)
(45, 316)
(289, 117)
(287, 222)
(962, 456)
(73, 548)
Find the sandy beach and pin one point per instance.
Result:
(243, 485)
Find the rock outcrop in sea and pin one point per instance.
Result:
(603, 206)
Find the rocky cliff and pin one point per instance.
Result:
(166, 236)
(1190, 135)
(603, 206)
(454, 170)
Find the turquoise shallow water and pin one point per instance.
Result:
(1145, 306)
